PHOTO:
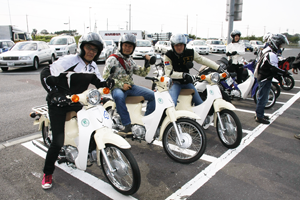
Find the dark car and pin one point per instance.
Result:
(248, 46)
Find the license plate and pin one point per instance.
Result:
(10, 64)
(229, 81)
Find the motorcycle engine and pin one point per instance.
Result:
(138, 131)
(236, 93)
(71, 153)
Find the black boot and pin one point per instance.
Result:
(126, 131)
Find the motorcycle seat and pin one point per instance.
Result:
(187, 92)
(134, 99)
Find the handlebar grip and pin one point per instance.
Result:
(151, 78)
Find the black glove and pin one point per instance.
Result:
(58, 99)
(228, 54)
(233, 53)
(110, 83)
(188, 78)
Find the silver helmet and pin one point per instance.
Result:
(90, 38)
(127, 38)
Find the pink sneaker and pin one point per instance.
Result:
(47, 181)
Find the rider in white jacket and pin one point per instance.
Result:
(235, 52)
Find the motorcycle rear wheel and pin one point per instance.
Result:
(289, 83)
(127, 178)
(47, 136)
(276, 89)
(193, 140)
(271, 98)
(232, 136)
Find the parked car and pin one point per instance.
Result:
(142, 48)
(6, 45)
(64, 45)
(105, 53)
(199, 46)
(257, 45)
(216, 46)
(166, 47)
(158, 45)
(27, 54)
(247, 44)
(111, 44)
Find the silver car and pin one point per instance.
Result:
(27, 54)
(199, 46)
(105, 53)
(64, 45)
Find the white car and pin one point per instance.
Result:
(142, 48)
(27, 54)
(158, 45)
(166, 47)
(199, 46)
(216, 46)
(105, 53)
(111, 44)
(257, 45)
(6, 45)
(64, 45)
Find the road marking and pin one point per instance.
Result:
(83, 176)
(199, 180)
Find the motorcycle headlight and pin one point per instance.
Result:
(215, 78)
(169, 83)
(93, 97)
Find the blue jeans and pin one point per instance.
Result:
(263, 93)
(175, 90)
(119, 97)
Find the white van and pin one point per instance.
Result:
(64, 45)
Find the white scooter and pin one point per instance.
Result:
(91, 129)
(213, 109)
(183, 138)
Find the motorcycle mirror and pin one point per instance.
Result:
(152, 60)
(189, 65)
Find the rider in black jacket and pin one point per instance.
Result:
(69, 75)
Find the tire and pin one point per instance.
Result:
(276, 89)
(233, 134)
(47, 136)
(52, 59)
(35, 63)
(194, 141)
(271, 99)
(127, 178)
(4, 69)
(289, 83)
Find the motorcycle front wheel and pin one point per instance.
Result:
(232, 135)
(271, 98)
(47, 136)
(192, 137)
(126, 178)
(289, 83)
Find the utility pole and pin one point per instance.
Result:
(129, 16)
(90, 20)
(230, 19)
(107, 24)
(187, 24)
(27, 23)
(9, 12)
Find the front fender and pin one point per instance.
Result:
(40, 122)
(110, 103)
(177, 114)
(221, 104)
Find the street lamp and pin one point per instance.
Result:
(90, 20)
(69, 26)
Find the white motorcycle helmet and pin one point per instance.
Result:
(233, 34)
(178, 39)
(277, 41)
(90, 38)
(128, 38)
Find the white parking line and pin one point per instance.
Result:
(199, 180)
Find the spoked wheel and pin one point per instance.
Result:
(232, 134)
(192, 137)
(126, 177)
(276, 89)
(271, 98)
(47, 136)
(288, 83)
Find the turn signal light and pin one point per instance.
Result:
(75, 98)
(224, 75)
(203, 77)
(106, 90)
(162, 79)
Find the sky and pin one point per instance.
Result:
(203, 18)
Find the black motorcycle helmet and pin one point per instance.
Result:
(233, 34)
(90, 38)
(128, 38)
(178, 39)
(276, 40)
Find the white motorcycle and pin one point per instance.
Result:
(213, 109)
(90, 129)
(182, 137)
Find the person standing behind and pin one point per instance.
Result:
(295, 67)
(124, 85)
(267, 68)
(235, 51)
(175, 67)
